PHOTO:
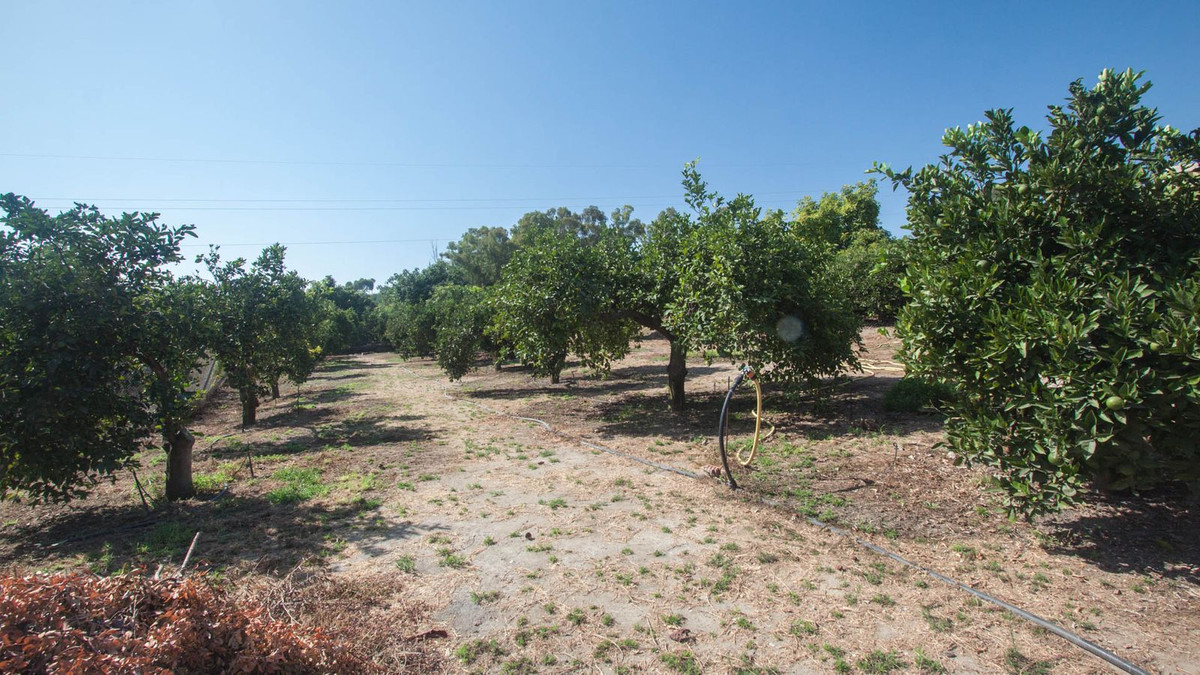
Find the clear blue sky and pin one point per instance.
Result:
(404, 121)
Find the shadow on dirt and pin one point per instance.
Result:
(1154, 532)
(234, 531)
(354, 432)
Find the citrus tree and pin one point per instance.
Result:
(97, 345)
(1054, 283)
(265, 324)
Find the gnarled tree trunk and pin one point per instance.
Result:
(179, 446)
(275, 388)
(676, 373)
(249, 406)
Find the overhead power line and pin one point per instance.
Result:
(414, 165)
(428, 240)
(405, 200)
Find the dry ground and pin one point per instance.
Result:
(534, 552)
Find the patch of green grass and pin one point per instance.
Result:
(576, 616)
(299, 485)
(881, 662)
(451, 559)
(883, 599)
(406, 563)
(802, 628)
(673, 619)
(166, 539)
(484, 597)
(405, 485)
(681, 662)
(554, 504)
(469, 652)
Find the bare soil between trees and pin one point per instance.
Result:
(447, 536)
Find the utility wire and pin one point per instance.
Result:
(325, 243)
(380, 201)
(415, 165)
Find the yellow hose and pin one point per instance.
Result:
(758, 420)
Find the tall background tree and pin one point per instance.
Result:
(97, 343)
(1055, 286)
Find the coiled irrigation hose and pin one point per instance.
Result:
(747, 373)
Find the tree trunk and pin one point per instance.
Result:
(275, 388)
(676, 372)
(179, 464)
(249, 406)
(560, 362)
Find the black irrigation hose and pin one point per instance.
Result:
(1092, 648)
(723, 429)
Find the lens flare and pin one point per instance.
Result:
(790, 328)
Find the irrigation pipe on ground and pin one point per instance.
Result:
(1092, 648)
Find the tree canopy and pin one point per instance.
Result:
(97, 341)
(1055, 286)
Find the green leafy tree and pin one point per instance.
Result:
(551, 301)
(751, 287)
(266, 324)
(97, 345)
(1055, 286)
(481, 254)
(461, 315)
(868, 259)
(724, 278)
(407, 319)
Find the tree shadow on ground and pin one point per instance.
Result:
(1154, 532)
(245, 532)
(352, 432)
(338, 364)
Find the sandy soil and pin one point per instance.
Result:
(535, 552)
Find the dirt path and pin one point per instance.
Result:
(572, 559)
(535, 553)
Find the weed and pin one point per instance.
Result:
(469, 652)
(488, 541)
(802, 627)
(767, 558)
(576, 616)
(484, 597)
(880, 661)
(406, 563)
(673, 619)
(883, 599)
(926, 664)
(681, 662)
(404, 485)
(450, 559)
(743, 623)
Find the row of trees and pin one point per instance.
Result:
(760, 288)
(100, 344)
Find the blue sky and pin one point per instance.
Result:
(404, 124)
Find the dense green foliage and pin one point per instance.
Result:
(1055, 285)
(869, 261)
(551, 303)
(350, 318)
(750, 285)
(724, 278)
(97, 341)
(266, 323)
(407, 318)
(460, 316)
